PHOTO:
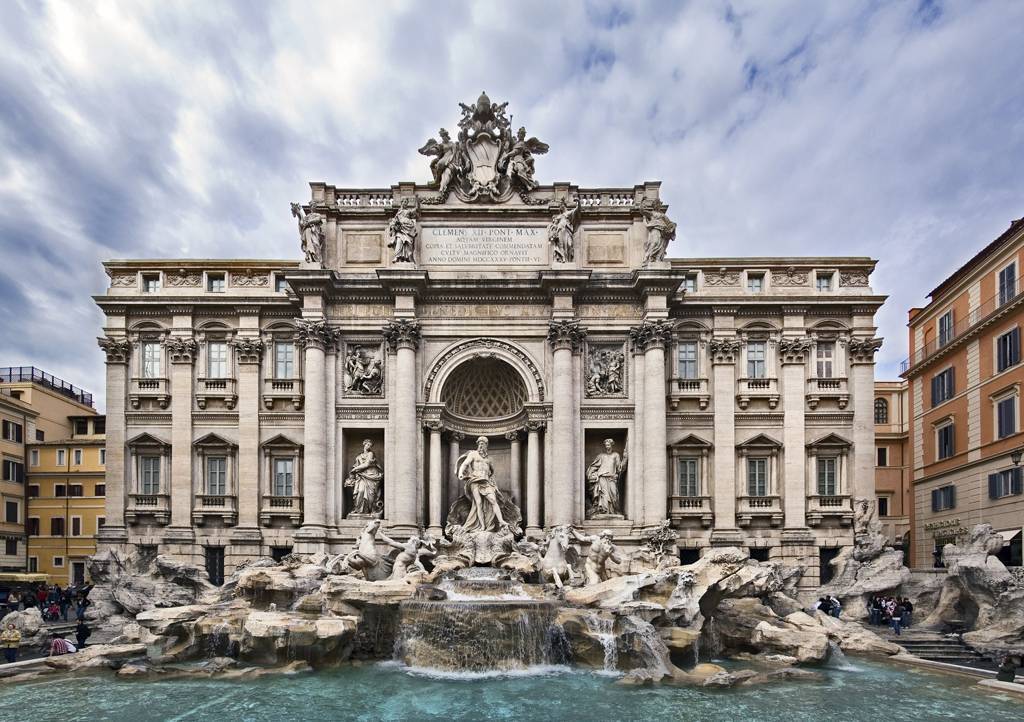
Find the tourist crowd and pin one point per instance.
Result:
(53, 602)
(829, 605)
(896, 612)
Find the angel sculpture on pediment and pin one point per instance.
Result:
(448, 162)
(517, 161)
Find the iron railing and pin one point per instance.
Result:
(15, 374)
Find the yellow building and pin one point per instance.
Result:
(34, 407)
(66, 500)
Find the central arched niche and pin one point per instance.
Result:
(485, 396)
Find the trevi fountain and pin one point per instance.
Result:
(583, 549)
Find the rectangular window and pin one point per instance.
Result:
(755, 282)
(280, 285)
(40, 435)
(33, 526)
(689, 477)
(76, 526)
(942, 387)
(217, 360)
(77, 456)
(1008, 350)
(687, 359)
(74, 490)
(690, 283)
(150, 282)
(33, 564)
(13, 471)
(946, 328)
(33, 491)
(57, 526)
(945, 445)
(11, 547)
(81, 427)
(33, 457)
(824, 281)
(1005, 483)
(103, 457)
(12, 512)
(944, 498)
(59, 490)
(883, 456)
(1007, 284)
(100, 523)
(757, 477)
(827, 478)
(58, 561)
(756, 360)
(150, 360)
(12, 431)
(215, 282)
(283, 483)
(216, 475)
(100, 490)
(883, 506)
(284, 360)
(826, 355)
(61, 457)
(149, 473)
(1006, 417)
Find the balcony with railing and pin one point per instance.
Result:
(215, 506)
(837, 507)
(835, 388)
(155, 506)
(748, 389)
(288, 508)
(764, 508)
(691, 508)
(987, 310)
(18, 374)
(680, 390)
(216, 389)
(149, 389)
(289, 390)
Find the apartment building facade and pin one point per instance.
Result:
(892, 460)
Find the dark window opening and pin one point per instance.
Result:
(760, 554)
(825, 570)
(279, 553)
(689, 556)
(215, 565)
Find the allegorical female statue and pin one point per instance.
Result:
(561, 233)
(482, 507)
(311, 233)
(365, 479)
(660, 232)
(603, 476)
(402, 230)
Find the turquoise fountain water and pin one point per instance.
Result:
(869, 691)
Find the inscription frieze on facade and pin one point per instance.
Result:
(359, 310)
(483, 310)
(483, 246)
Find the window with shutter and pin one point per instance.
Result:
(935, 499)
(1006, 417)
(993, 486)
(1017, 481)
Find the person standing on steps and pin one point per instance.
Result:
(10, 640)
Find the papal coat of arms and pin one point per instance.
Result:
(487, 161)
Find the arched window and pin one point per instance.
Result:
(881, 411)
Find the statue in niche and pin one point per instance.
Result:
(364, 370)
(311, 233)
(482, 507)
(365, 478)
(603, 476)
(517, 161)
(402, 230)
(562, 232)
(660, 232)
(448, 162)
(602, 550)
(605, 375)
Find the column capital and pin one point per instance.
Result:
(456, 436)
(651, 334)
(181, 349)
(249, 350)
(402, 333)
(534, 426)
(116, 349)
(724, 350)
(512, 435)
(863, 350)
(316, 333)
(794, 350)
(434, 426)
(566, 334)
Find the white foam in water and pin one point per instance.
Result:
(537, 670)
(838, 660)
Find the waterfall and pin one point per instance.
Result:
(602, 628)
(838, 660)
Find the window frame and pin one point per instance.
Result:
(827, 362)
(943, 386)
(216, 481)
(1007, 283)
(76, 457)
(882, 455)
(275, 488)
(756, 282)
(214, 278)
(155, 276)
(885, 499)
(753, 370)
(289, 363)
(821, 475)
(753, 482)
(146, 475)
(222, 360)
(683, 484)
(695, 360)
(828, 277)
(944, 329)
(939, 445)
(1008, 357)
(1012, 417)
(150, 359)
(12, 504)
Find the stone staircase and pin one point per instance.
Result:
(936, 646)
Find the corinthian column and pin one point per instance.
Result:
(314, 337)
(565, 338)
(862, 392)
(793, 357)
(533, 452)
(724, 352)
(436, 476)
(248, 352)
(652, 336)
(403, 337)
(117, 351)
(182, 352)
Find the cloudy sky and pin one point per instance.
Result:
(154, 129)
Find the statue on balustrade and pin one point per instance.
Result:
(366, 478)
(562, 233)
(660, 232)
(402, 231)
(311, 233)
(603, 477)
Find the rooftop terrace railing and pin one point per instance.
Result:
(14, 374)
(985, 310)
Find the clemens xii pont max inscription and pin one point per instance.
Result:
(485, 357)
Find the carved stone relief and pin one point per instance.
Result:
(364, 369)
(605, 370)
(789, 277)
(721, 278)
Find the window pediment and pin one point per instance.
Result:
(281, 443)
(213, 441)
(691, 441)
(833, 442)
(760, 441)
(148, 441)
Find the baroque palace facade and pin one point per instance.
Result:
(259, 407)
